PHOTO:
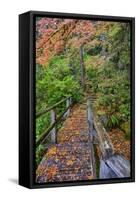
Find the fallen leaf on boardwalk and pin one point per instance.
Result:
(51, 172)
(69, 159)
(90, 177)
(62, 153)
(52, 151)
(69, 162)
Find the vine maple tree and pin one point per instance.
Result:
(55, 35)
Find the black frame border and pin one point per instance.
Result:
(30, 142)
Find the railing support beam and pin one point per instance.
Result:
(90, 119)
(68, 105)
(53, 131)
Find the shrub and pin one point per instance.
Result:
(113, 121)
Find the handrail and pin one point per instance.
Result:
(54, 121)
(105, 144)
(46, 133)
(50, 108)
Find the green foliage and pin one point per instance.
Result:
(53, 83)
(42, 123)
(113, 121)
(113, 89)
(91, 73)
(110, 80)
(94, 50)
(119, 44)
(39, 154)
(124, 109)
(106, 75)
(92, 77)
(127, 130)
(57, 83)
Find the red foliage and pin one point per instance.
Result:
(55, 34)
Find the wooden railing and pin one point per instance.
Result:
(91, 133)
(51, 130)
(105, 144)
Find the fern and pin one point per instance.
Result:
(113, 121)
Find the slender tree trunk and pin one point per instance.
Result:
(82, 68)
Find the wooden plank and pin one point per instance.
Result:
(105, 171)
(119, 165)
(93, 160)
(114, 167)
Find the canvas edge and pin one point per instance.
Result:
(31, 183)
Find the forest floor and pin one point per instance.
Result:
(121, 145)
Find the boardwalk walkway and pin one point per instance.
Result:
(71, 158)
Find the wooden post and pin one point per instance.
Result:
(53, 131)
(67, 105)
(70, 99)
(90, 118)
(91, 133)
(82, 68)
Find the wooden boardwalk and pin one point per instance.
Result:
(71, 158)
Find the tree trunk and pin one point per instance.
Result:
(82, 68)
